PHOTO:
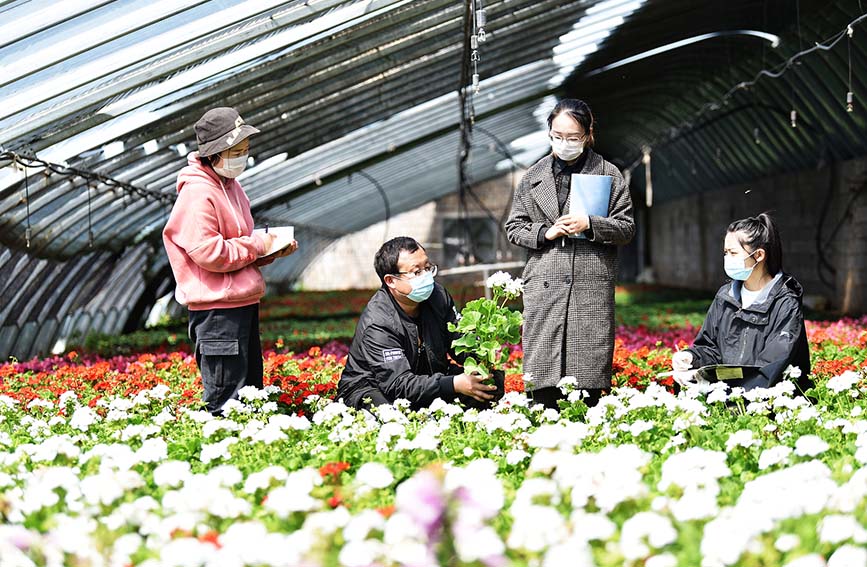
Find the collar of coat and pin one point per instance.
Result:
(543, 187)
(784, 285)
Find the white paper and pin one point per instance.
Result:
(283, 237)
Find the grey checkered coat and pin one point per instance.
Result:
(569, 283)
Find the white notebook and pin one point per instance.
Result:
(284, 235)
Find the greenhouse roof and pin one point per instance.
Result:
(359, 112)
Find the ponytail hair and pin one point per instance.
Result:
(760, 232)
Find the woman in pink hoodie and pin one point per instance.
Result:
(215, 257)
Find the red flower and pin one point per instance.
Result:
(335, 500)
(211, 537)
(386, 511)
(333, 469)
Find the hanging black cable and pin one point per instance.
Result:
(28, 233)
(89, 217)
(89, 176)
(504, 151)
(773, 73)
(466, 126)
(382, 193)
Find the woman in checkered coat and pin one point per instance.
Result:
(569, 282)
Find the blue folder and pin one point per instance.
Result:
(590, 194)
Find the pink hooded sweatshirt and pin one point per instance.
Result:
(209, 242)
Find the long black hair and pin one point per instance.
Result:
(580, 112)
(760, 232)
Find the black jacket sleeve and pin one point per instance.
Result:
(520, 228)
(387, 360)
(705, 349)
(781, 340)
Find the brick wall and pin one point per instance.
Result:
(686, 235)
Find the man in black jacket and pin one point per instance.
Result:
(402, 341)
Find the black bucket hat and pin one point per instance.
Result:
(220, 129)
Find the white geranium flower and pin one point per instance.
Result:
(693, 468)
(199, 416)
(235, 406)
(359, 526)
(638, 427)
(837, 528)
(811, 560)
(536, 528)
(172, 473)
(810, 446)
(295, 495)
(550, 415)
(642, 529)
(83, 418)
(573, 552)
(774, 456)
(787, 542)
(843, 382)
(187, 551)
(743, 438)
(212, 427)
(515, 287)
(792, 372)
(515, 456)
(589, 526)
(361, 553)
(164, 417)
(567, 384)
(663, 560)
(262, 479)
(219, 450)
(848, 556)
(40, 403)
(67, 397)
(7, 401)
(252, 393)
(374, 475)
(269, 434)
(285, 422)
(498, 279)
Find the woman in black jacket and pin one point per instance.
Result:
(756, 319)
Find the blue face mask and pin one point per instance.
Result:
(422, 287)
(736, 270)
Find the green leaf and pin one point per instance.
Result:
(469, 321)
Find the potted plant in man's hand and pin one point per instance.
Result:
(486, 327)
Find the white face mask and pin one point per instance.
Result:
(232, 167)
(565, 150)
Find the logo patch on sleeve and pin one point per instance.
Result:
(392, 354)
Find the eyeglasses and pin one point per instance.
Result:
(432, 268)
(572, 139)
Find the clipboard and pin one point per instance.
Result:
(727, 372)
(590, 195)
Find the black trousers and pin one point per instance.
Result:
(228, 352)
(549, 396)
